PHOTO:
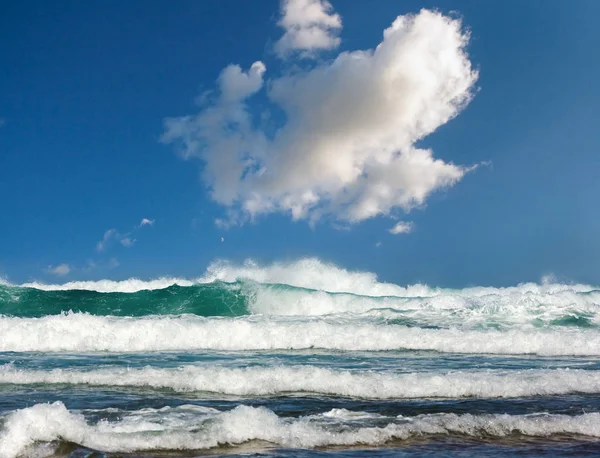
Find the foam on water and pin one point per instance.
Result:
(310, 273)
(314, 274)
(311, 287)
(77, 332)
(132, 285)
(305, 304)
(305, 273)
(444, 308)
(245, 297)
(184, 428)
(270, 381)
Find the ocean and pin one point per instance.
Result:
(302, 359)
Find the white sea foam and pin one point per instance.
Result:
(80, 332)
(305, 273)
(445, 308)
(131, 285)
(265, 381)
(313, 273)
(183, 428)
(464, 308)
(351, 415)
(308, 273)
(361, 292)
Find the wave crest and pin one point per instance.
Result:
(196, 428)
(87, 333)
(274, 381)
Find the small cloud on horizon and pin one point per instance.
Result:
(64, 269)
(59, 270)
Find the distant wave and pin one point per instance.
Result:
(77, 332)
(310, 273)
(460, 308)
(273, 381)
(196, 428)
(301, 305)
(211, 299)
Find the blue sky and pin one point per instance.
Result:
(87, 87)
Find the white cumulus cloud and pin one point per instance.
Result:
(310, 25)
(60, 270)
(402, 227)
(346, 146)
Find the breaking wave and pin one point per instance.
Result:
(77, 332)
(196, 428)
(308, 288)
(272, 381)
(298, 305)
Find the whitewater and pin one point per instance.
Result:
(297, 359)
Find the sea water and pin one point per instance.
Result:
(303, 359)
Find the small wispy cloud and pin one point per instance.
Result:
(402, 227)
(232, 219)
(127, 240)
(89, 266)
(222, 223)
(59, 270)
(108, 235)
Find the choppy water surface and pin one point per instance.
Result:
(297, 360)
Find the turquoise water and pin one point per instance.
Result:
(275, 369)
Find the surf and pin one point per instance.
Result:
(235, 292)
(282, 380)
(81, 332)
(190, 427)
